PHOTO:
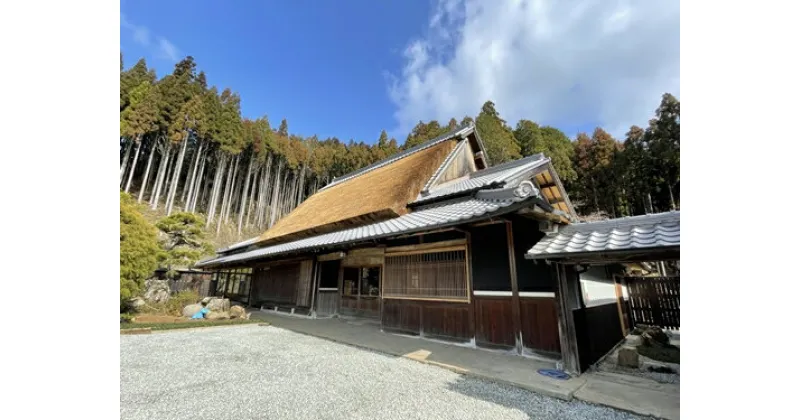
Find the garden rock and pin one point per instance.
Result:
(156, 290)
(218, 315)
(654, 336)
(238, 312)
(633, 340)
(219, 305)
(137, 303)
(192, 309)
(206, 300)
(628, 357)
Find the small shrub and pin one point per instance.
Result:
(125, 318)
(176, 303)
(174, 306)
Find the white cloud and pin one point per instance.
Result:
(141, 35)
(167, 49)
(565, 63)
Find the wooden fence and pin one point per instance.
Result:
(654, 301)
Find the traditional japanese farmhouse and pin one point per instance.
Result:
(431, 241)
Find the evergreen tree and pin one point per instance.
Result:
(583, 193)
(383, 140)
(452, 124)
(423, 132)
(528, 137)
(558, 147)
(139, 251)
(496, 135)
(132, 78)
(384, 148)
(185, 241)
(283, 130)
(205, 158)
(664, 138)
(141, 117)
(637, 171)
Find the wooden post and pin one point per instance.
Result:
(341, 289)
(468, 263)
(314, 289)
(629, 312)
(358, 290)
(516, 312)
(250, 286)
(566, 323)
(620, 302)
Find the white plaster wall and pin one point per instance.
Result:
(598, 288)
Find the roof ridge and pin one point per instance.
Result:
(506, 165)
(628, 220)
(400, 155)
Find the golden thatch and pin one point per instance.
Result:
(376, 195)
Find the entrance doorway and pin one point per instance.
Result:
(361, 291)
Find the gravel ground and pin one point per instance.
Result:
(252, 372)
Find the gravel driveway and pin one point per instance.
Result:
(252, 372)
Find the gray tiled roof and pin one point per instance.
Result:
(238, 245)
(430, 143)
(482, 205)
(493, 176)
(650, 231)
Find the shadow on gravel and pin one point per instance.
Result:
(534, 405)
(495, 393)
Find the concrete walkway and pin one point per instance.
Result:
(637, 395)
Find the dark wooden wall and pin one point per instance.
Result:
(494, 324)
(489, 253)
(444, 320)
(532, 276)
(597, 330)
(494, 315)
(327, 303)
(329, 274)
(539, 324)
(278, 285)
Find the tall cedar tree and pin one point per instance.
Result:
(664, 138)
(213, 163)
(423, 132)
(496, 135)
(551, 141)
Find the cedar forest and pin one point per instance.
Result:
(184, 147)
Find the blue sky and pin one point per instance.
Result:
(320, 64)
(350, 68)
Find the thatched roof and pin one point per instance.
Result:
(376, 195)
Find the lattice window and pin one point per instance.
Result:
(434, 275)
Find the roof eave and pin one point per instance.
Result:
(535, 200)
(653, 253)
